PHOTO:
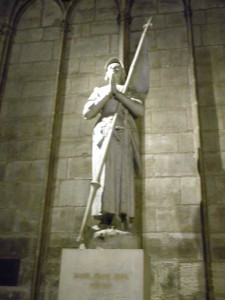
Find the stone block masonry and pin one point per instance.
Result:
(26, 126)
(169, 192)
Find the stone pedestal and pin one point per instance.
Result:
(103, 274)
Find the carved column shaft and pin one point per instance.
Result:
(44, 233)
(6, 33)
(198, 143)
(124, 20)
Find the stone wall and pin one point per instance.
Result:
(171, 186)
(209, 28)
(45, 150)
(27, 111)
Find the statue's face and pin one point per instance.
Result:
(116, 71)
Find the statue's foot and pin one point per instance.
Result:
(96, 228)
(102, 234)
(101, 226)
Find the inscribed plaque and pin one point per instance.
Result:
(109, 274)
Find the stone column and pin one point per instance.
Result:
(46, 210)
(198, 147)
(124, 20)
(6, 33)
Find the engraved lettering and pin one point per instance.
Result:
(121, 277)
(81, 276)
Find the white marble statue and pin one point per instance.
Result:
(114, 202)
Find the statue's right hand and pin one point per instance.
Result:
(112, 85)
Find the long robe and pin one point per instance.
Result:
(116, 192)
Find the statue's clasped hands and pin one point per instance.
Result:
(112, 87)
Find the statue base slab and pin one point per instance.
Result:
(102, 274)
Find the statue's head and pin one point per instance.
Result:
(114, 67)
